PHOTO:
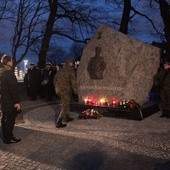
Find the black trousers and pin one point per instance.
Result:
(50, 91)
(8, 122)
(165, 98)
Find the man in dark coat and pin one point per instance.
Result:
(162, 79)
(65, 83)
(10, 100)
(49, 74)
(32, 81)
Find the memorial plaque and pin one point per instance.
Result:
(114, 65)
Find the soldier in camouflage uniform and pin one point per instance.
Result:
(65, 83)
(162, 80)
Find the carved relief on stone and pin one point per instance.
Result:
(96, 65)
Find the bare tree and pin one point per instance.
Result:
(125, 17)
(5, 9)
(76, 50)
(130, 10)
(26, 24)
(56, 54)
(68, 19)
(165, 13)
(38, 22)
(53, 5)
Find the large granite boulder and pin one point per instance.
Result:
(114, 65)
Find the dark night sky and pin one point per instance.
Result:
(142, 30)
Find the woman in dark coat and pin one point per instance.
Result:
(10, 100)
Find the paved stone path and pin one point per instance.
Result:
(105, 143)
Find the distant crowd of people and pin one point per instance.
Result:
(39, 82)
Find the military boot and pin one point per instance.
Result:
(59, 123)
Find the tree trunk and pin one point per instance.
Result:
(165, 13)
(47, 34)
(125, 17)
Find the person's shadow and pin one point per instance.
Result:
(91, 160)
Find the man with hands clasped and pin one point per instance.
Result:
(10, 100)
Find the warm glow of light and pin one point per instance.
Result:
(95, 103)
(89, 100)
(102, 101)
(85, 100)
(115, 101)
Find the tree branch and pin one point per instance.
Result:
(71, 38)
(143, 15)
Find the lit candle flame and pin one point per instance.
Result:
(102, 101)
(85, 100)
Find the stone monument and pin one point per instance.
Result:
(114, 65)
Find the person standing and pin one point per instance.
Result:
(65, 83)
(162, 80)
(10, 100)
(49, 74)
(32, 82)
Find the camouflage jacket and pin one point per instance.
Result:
(65, 81)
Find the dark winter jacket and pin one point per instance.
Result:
(9, 90)
(162, 79)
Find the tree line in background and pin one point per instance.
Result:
(38, 25)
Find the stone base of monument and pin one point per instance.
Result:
(140, 113)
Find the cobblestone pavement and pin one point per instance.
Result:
(105, 143)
